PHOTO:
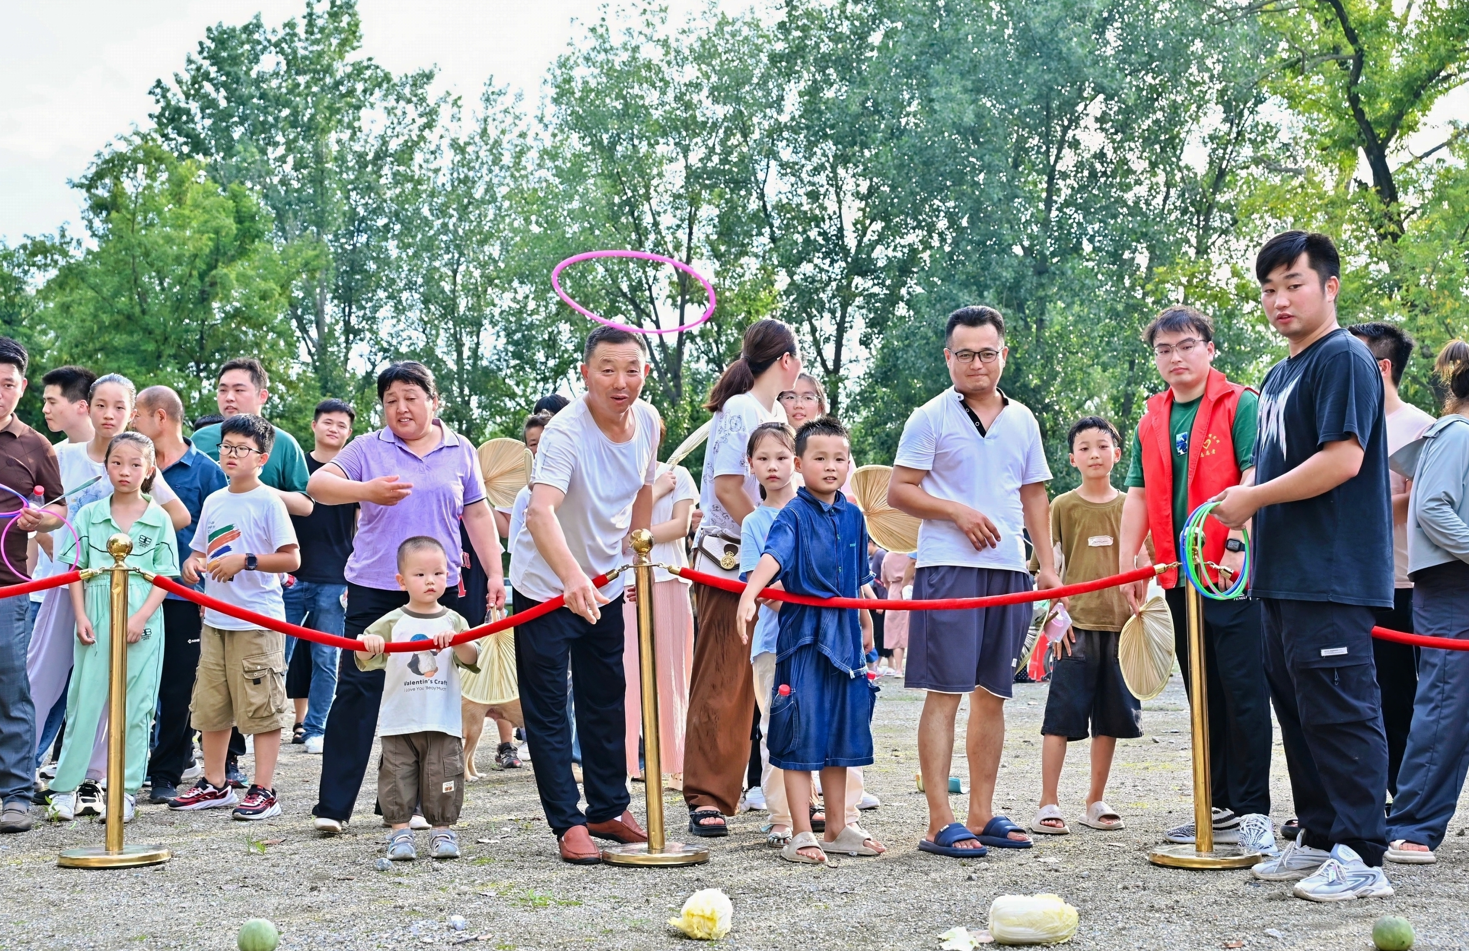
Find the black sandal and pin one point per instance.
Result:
(696, 817)
(298, 734)
(817, 825)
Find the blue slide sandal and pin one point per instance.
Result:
(944, 843)
(997, 833)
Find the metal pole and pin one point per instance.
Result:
(115, 854)
(657, 850)
(1200, 855)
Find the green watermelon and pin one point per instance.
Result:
(257, 934)
(1391, 933)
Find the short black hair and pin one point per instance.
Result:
(1283, 249)
(251, 427)
(1177, 318)
(820, 426)
(1092, 422)
(410, 372)
(333, 405)
(251, 366)
(537, 420)
(1387, 342)
(976, 316)
(14, 353)
(552, 403)
(419, 543)
(614, 336)
(208, 419)
(75, 383)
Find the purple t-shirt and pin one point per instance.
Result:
(444, 482)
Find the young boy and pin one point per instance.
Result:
(821, 707)
(1087, 688)
(420, 723)
(244, 542)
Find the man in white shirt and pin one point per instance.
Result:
(1397, 664)
(591, 484)
(972, 466)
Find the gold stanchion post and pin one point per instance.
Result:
(1200, 855)
(657, 850)
(114, 854)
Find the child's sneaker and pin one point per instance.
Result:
(233, 775)
(755, 799)
(400, 846)
(1226, 829)
(1343, 877)
(89, 800)
(259, 803)
(204, 795)
(62, 807)
(1296, 861)
(507, 756)
(129, 808)
(1257, 834)
(444, 844)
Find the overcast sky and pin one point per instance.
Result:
(76, 73)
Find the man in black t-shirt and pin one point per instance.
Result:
(315, 599)
(1323, 562)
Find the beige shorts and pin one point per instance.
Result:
(241, 682)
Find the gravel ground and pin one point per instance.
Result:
(515, 894)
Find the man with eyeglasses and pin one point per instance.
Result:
(1196, 439)
(972, 466)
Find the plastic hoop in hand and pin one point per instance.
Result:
(1195, 570)
(25, 503)
(641, 256)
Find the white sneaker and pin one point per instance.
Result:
(329, 826)
(416, 822)
(868, 801)
(129, 808)
(1296, 861)
(62, 807)
(48, 772)
(192, 772)
(1343, 877)
(313, 745)
(90, 800)
(755, 799)
(1257, 834)
(1226, 829)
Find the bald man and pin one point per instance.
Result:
(193, 476)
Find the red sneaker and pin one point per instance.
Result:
(204, 795)
(259, 803)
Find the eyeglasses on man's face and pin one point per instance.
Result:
(236, 449)
(1185, 347)
(967, 356)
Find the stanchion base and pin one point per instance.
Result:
(636, 853)
(1186, 856)
(97, 856)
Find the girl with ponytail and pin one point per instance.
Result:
(1432, 774)
(721, 691)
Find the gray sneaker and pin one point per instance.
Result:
(1226, 829)
(17, 817)
(1257, 834)
(400, 846)
(1296, 861)
(1344, 877)
(443, 844)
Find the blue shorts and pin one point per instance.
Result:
(826, 720)
(959, 651)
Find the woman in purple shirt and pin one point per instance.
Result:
(416, 476)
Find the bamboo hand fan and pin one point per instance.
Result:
(893, 530)
(1145, 649)
(502, 463)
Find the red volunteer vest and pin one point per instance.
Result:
(1211, 467)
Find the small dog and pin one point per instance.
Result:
(474, 715)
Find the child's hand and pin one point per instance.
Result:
(1066, 639)
(745, 614)
(442, 639)
(226, 567)
(137, 624)
(190, 568)
(85, 634)
(372, 644)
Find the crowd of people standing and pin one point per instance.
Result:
(390, 536)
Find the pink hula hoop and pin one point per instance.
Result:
(641, 256)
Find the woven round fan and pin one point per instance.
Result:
(893, 530)
(693, 441)
(496, 685)
(502, 461)
(1145, 649)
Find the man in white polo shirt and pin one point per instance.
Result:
(971, 465)
(592, 483)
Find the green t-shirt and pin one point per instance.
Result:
(1180, 424)
(284, 470)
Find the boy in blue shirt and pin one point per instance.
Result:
(821, 707)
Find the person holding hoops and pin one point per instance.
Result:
(415, 476)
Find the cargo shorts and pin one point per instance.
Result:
(241, 682)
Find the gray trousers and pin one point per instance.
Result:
(1434, 764)
(17, 712)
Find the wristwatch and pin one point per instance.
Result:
(1233, 544)
(251, 562)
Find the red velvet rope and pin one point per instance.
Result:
(1420, 640)
(940, 604)
(42, 584)
(307, 634)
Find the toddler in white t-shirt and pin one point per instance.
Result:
(419, 722)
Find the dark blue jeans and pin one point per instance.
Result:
(17, 712)
(317, 606)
